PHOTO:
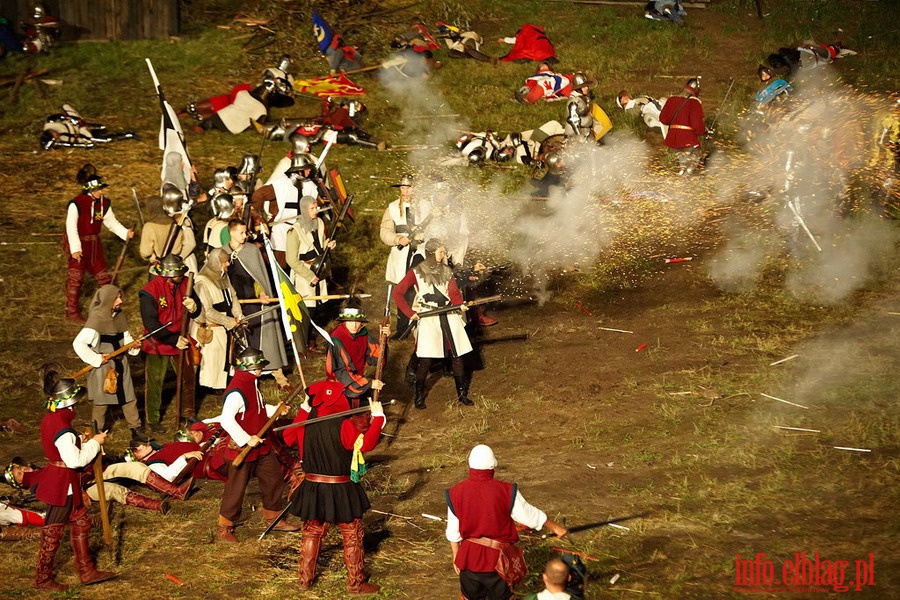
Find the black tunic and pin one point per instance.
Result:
(323, 454)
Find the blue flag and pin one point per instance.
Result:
(322, 32)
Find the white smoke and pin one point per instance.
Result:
(802, 157)
(802, 160)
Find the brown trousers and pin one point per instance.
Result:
(270, 474)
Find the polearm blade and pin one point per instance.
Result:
(137, 206)
(275, 522)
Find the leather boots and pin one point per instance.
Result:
(50, 538)
(352, 534)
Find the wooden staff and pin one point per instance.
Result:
(122, 350)
(281, 409)
(179, 367)
(118, 268)
(382, 342)
(101, 492)
(273, 300)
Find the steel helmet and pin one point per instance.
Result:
(94, 183)
(693, 85)
(222, 205)
(8, 472)
(405, 181)
(250, 359)
(300, 163)
(579, 79)
(299, 143)
(172, 199)
(63, 393)
(504, 154)
(249, 165)
(477, 155)
(554, 162)
(171, 265)
(220, 176)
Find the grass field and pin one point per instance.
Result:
(590, 429)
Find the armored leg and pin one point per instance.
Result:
(354, 554)
(309, 551)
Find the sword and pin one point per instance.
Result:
(588, 526)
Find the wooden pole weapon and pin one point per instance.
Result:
(179, 371)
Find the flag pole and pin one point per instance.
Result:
(285, 322)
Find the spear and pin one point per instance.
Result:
(345, 413)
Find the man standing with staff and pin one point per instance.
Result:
(109, 383)
(164, 300)
(86, 214)
(243, 416)
(403, 229)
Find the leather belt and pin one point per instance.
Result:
(681, 127)
(91, 237)
(316, 478)
(486, 541)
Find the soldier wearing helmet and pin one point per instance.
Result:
(403, 227)
(306, 241)
(280, 199)
(221, 314)
(163, 213)
(163, 301)
(580, 121)
(683, 114)
(243, 415)
(433, 286)
(215, 234)
(60, 487)
(645, 106)
(250, 277)
(86, 214)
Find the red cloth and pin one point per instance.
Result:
(169, 453)
(339, 118)
(346, 361)
(221, 101)
(254, 416)
(531, 44)
(409, 281)
(483, 506)
(53, 484)
(679, 112)
(90, 213)
(168, 300)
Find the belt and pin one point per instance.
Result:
(316, 478)
(90, 237)
(208, 325)
(57, 463)
(681, 127)
(486, 541)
